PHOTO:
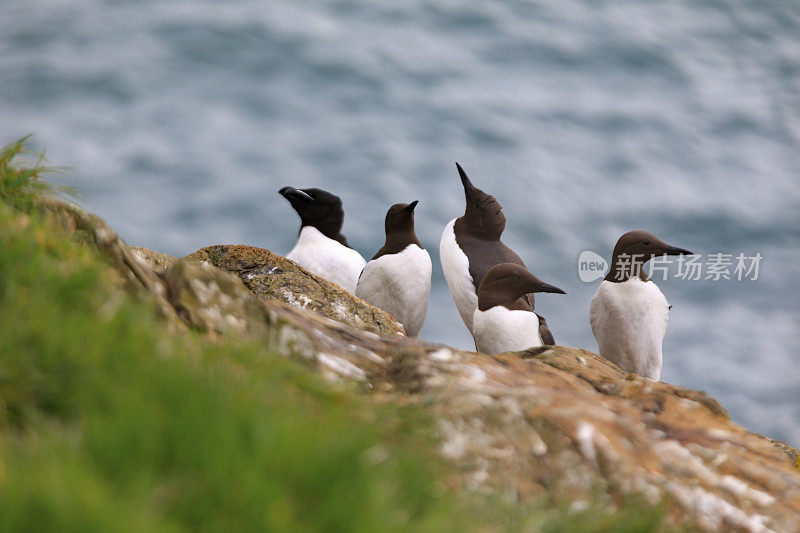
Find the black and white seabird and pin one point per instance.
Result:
(629, 313)
(321, 248)
(398, 278)
(471, 246)
(503, 322)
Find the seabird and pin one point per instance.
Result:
(503, 322)
(471, 246)
(398, 278)
(629, 313)
(321, 248)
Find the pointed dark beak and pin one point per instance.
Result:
(546, 287)
(464, 178)
(410, 207)
(674, 250)
(290, 193)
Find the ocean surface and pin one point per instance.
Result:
(181, 119)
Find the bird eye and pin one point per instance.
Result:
(647, 243)
(516, 276)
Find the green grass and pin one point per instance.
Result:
(110, 423)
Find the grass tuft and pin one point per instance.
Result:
(21, 175)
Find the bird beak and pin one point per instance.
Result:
(546, 287)
(464, 179)
(290, 193)
(674, 250)
(410, 207)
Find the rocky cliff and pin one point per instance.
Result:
(557, 424)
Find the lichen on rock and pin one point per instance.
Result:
(213, 300)
(275, 278)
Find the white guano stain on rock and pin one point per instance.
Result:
(137, 255)
(714, 512)
(706, 475)
(740, 488)
(585, 436)
(301, 300)
(238, 324)
(290, 340)
(201, 290)
(474, 374)
(341, 366)
(454, 442)
(102, 235)
(369, 354)
(341, 311)
(538, 446)
(442, 355)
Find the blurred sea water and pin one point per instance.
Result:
(181, 119)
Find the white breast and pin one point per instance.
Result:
(456, 271)
(327, 258)
(629, 320)
(499, 330)
(399, 284)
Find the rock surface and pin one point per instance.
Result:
(135, 274)
(526, 427)
(275, 278)
(158, 261)
(213, 300)
(557, 423)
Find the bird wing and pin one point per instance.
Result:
(545, 333)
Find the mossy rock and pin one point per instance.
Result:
(275, 278)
